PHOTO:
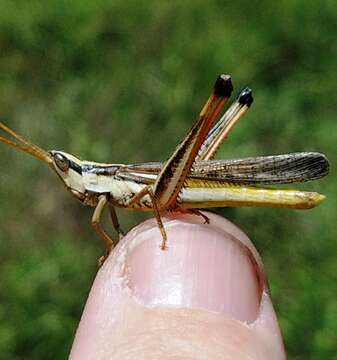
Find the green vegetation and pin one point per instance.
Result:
(119, 81)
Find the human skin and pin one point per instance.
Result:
(205, 297)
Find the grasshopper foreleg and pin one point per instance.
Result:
(95, 222)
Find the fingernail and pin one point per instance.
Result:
(203, 268)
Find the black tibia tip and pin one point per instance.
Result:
(223, 86)
(245, 97)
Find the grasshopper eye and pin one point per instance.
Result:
(61, 162)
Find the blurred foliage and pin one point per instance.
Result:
(119, 81)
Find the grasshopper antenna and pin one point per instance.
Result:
(24, 145)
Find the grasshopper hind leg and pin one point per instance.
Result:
(195, 212)
(148, 191)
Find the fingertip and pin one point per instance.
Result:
(207, 270)
(202, 267)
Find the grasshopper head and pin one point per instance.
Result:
(67, 167)
(69, 170)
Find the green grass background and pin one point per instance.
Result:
(118, 81)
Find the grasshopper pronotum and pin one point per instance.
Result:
(189, 180)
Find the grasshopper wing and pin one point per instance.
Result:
(261, 170)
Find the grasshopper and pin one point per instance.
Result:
(189, 180)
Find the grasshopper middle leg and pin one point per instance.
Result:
(115, 221)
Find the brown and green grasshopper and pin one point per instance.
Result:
(189, 179)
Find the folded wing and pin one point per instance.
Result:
(262, 170)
